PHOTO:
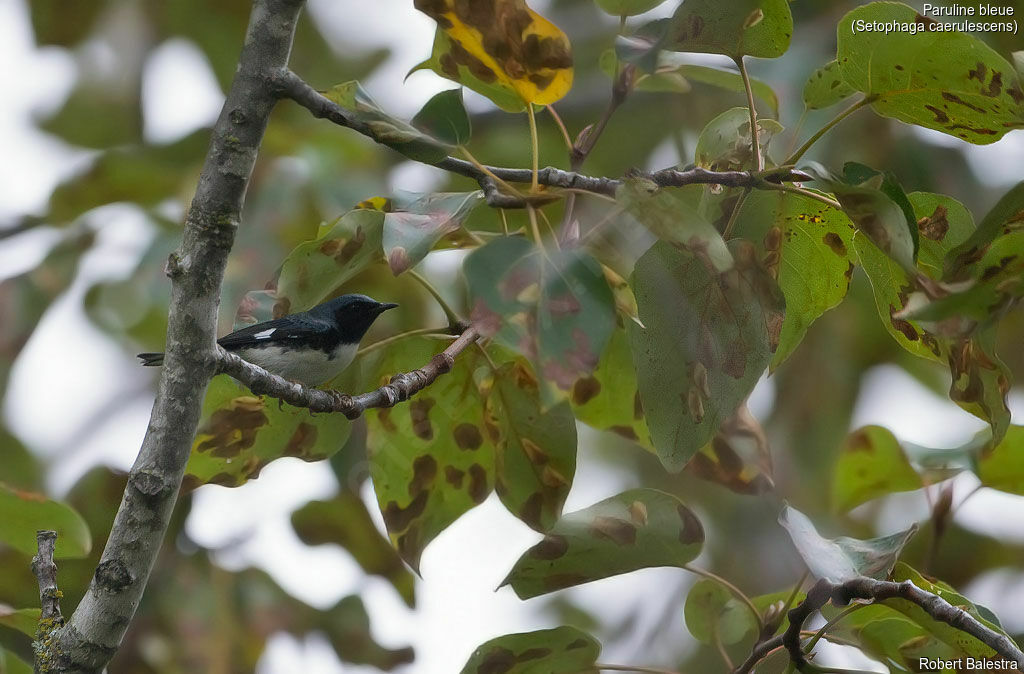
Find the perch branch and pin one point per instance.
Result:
(289, 85)
(401, 387)
(95, 630)
(45, 572)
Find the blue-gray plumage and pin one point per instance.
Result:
(311, 347)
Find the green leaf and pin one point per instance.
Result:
(671, 218)
(23, 513)
(609, 399)
(950, 82)
(385, 129)
(637, 529)
(444, 117)
(347, 627)
(503, 41)
(942, 224)
(825, 87)
(1002, 466)
(315, 269)
(627, 7)
(840, 559)
(730, 81)
(344, 520)
(888, 636)
(23, 620)
(12, 664)
(1005, 218)
(555, 308)
(760, 28)
(412, 231)
(661, 80)
(980, 381)
(738, 457)
(705, 611)
(706, 340)
(240, 433)
(536, 448)
(871, 464)
(725, 143)
(958, 639)
(449, 60)
(562, 650)
(808, 247)
(431, 459)
(56, 23)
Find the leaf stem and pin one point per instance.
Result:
(486, 171)
(755, 143)
(454, 322)
(809, 646)
(534, 145)
(810, 194)
(632, 668)
(561, 126)
(733, 590)
(793, 158)
(727, 232)
(369, 348)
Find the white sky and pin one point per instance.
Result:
(458, 605)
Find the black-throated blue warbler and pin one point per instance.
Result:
(311, 347)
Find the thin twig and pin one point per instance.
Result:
(793, 158)
(401, 386)
(534, 145)
(633, 668)
(807, 193)
(45, 572)
(561, 126)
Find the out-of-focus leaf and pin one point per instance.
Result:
(20, 469)
(760, 28)
(840, 559)
(950, 82)
(562, 650)
(315, 269)
(724, 144)
(347, 627)
(808, 248)
(240, 433)
(1002, 466)
(535, 458)
(728, 80)
(12, 664)
(117, 105)
(669, 217)
(1005, 219)
(738, 457)
(960, 640)
(410, 232)
(23, 513)
(55, 22)
(871, 464)
(627, 7)
(444, 117)
(826, 87)
(24, 619)
(888, 636)
(705, 341)
(554, 308)
(667, 80)
(431, 459)
(608, 399)
(711, 608)
(450, 60)
(345, 520)
(387, 130)
(637, 529)
(503, 41)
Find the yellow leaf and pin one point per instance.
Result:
(505, 43)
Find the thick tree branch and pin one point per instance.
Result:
(289, 85)
(401, 387)
(95, 630)
(879, 590)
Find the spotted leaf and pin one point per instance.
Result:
(707, 337)
(1001, 466)
(637, 529)
(826, 87)
(240, 433)
(431, 459)
(562, 650)
(555, 308)
(760, 28)
(808, 248)
(536, 447)
(627, 7)
(505, 42)
(950, 82)
(412, 230)
(738, 457)
(871, 464)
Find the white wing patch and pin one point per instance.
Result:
(265, 334)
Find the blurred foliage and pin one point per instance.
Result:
(637, 318)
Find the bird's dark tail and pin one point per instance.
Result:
(149, 359)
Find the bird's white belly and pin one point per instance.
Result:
(311, 367)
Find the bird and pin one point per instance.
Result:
(310, 347)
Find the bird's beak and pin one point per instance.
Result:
(384, 306)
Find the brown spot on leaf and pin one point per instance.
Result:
(453, 476)
(936, 225)
(691, 530)
(995, 87)
(477, 483)
(978, 72)
(833, 241)
(234, 428)
(627, 432)
(577, 644)
(398, 519)
(735, 360)
(560, 581)
(638, 406)
(467, 436)
(533, 654)
(419, 412)
(302, 440)
(584, 390)
(552, 547)
(534, 454)
(613, 529)
(531, 510)
(953, 98)
(859, 441)
(223, 479)
(424, 472)
(1016, 94)
(384, 417)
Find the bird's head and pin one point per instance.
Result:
(354, 314)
